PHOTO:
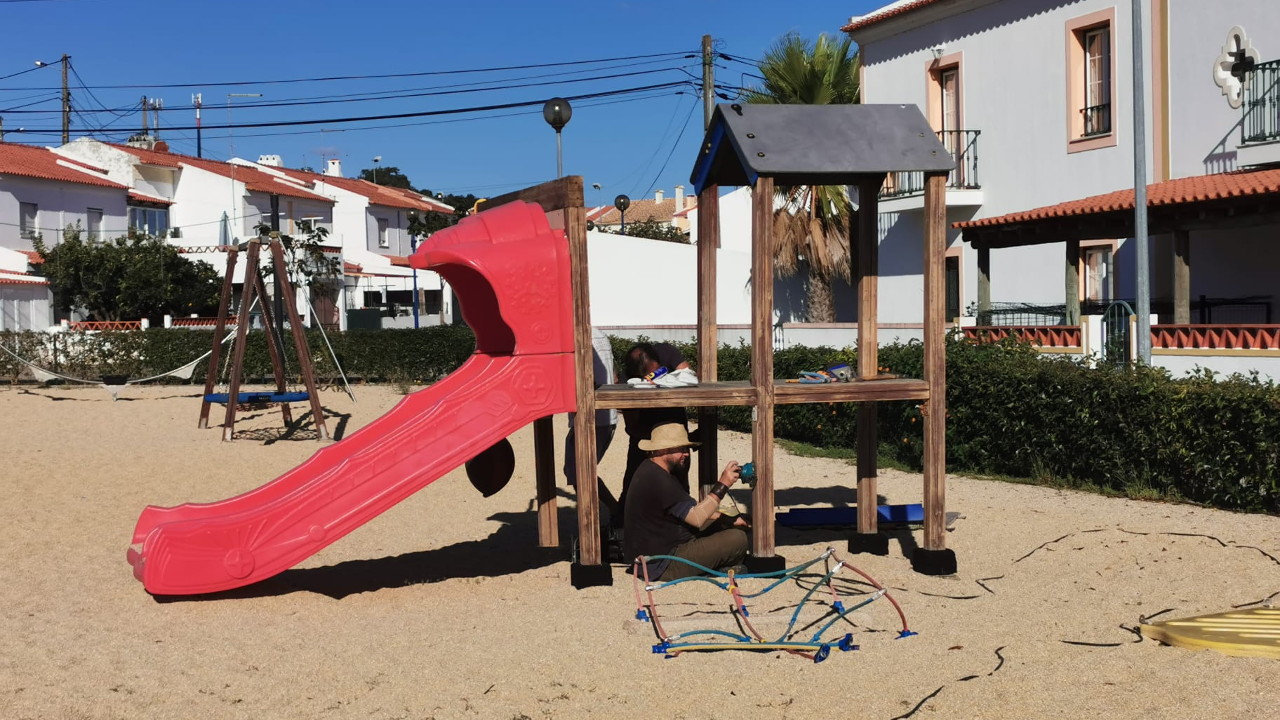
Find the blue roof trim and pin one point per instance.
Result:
(704, 161)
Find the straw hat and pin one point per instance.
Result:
(671, 436)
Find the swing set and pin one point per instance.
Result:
(254, 290)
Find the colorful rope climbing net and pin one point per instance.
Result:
(833, 628)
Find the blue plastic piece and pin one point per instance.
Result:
(743, 609)
(642, 615)
(838, 606)
(258, 397)
(906, 634)
(822, 653)
(661, 648)
(846, 643)
(910, 514)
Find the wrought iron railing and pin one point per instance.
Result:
(1261, 106)
(963, 146)
(1097, 119)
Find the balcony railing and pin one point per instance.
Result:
(963, 146)
(1261, 105)
(1097, 119)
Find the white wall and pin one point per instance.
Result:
(60, 204)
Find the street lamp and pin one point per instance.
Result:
(622, 202)
(376, 159)
(557, 112)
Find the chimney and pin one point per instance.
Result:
(270, 160)
(657, 196)
(679, 198)
(334, 168)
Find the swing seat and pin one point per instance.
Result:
(249, 398)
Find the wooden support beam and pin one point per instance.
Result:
(219, 333)
(866, 279)
(762, 507)
(1071, 268)
(238, 345)
(305, 366)
(1182, 277)
(559, 194)
(273, 347)
(708, 340)
(589, 551)
(935, 362)
(544, 455)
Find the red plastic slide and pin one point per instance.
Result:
(511, 271)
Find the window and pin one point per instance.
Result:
(1090, 73)
(432, 301)
(93, 223)
(384, 233)
(1099, 278)
(149, 221)
(28, 213)
(952, 272)
(1097, 81)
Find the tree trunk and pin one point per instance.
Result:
(821, 298)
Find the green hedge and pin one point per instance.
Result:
(1013, 411)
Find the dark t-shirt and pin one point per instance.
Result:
(654, 509)
(642, 421)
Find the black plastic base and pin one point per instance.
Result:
(934, 562)
(584, 576)
(769, 564)
(869, 543)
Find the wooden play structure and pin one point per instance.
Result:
(766, 146)
(254, 289)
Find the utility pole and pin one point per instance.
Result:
(1, 129)
(66, 101)
(708, 82)
(196, 100)
(146, 106)
(279, 287)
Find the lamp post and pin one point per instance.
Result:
(557, 112)
(622, 202)
(413, 249)
(376, 159)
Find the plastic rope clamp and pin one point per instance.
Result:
(642, 615)
(846, 643)
(837, 606)
(906, 634)
(661, 648)
(822, 653)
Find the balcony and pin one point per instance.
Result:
(1260, 124)
(905, 190)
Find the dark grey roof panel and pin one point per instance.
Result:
(816, 144)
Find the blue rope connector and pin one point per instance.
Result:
(822, 653)
(642, 615)
(846, 643)
(906, 634)
(838, 606)
(743, 609)
(661, 648)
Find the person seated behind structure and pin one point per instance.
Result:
(606, 423)
(641, 360)
(663, 519)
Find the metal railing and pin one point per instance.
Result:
(963, 146)
(1261, 106)
(1097, 119)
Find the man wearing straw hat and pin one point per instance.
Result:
(662, 519)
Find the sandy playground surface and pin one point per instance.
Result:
(444, 607)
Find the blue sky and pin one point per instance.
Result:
(629, 143)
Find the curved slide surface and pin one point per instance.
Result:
(512, 271)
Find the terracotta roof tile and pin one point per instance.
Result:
(648, 209)
(12, 278)
(135, 195)
(1200, 188)
(33, 257)
(884, 13)
(377, 194)
(42, 163)
(253, 178)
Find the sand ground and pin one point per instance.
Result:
(444, 607)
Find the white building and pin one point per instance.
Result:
(1036, 101)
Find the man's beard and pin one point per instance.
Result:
(680, 470)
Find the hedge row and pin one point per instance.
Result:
(1011, 411)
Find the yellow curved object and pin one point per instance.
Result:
(1242, 633)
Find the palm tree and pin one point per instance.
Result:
(811, 223)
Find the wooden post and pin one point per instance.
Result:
(708, 340)
(984, 285)
(1182, 277)
(238, 345)
(866, 279)
(762, 538)
(220, 327)
(545, 472)
(584, 385)
(305, 366)
(935, 362)
(1071, 266)
(273, 347)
